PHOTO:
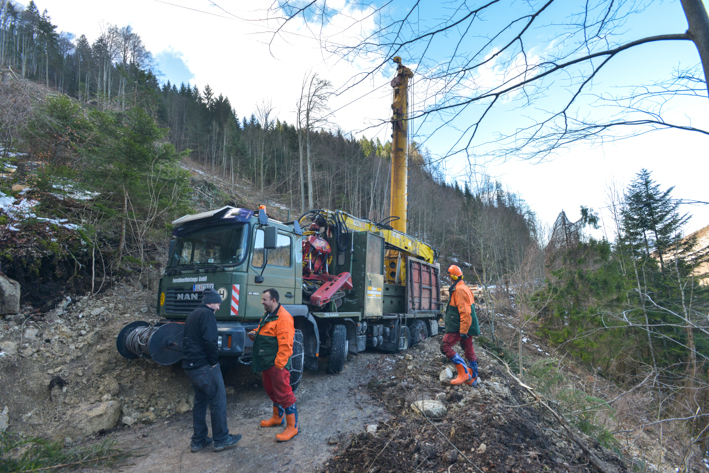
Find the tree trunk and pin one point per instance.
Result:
(300, 172)
(263, 158)
(124, 217)
(310, 172)
(647, 320)
(698, 30)
(2, 42)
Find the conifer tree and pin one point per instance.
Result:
(651, 221)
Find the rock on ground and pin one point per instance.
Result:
(9, 296)
(446, 374)
(89, 418)
(430, 408)
(8, 348)
(4, 420)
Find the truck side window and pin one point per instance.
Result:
(281, 256)
(257, 258)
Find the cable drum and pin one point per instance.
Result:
(160, 343)
(137, 340)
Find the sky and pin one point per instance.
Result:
(220, 43)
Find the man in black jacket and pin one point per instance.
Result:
(201, 363)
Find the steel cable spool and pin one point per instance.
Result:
(138, 340)
(160, 343)
(121, 344)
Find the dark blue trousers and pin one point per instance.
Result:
(208, 385)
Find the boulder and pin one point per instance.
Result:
(183, 407)
(4, 420)
(446, 375)
(430, 408)
(8, 348)
(147, 418)
(128, 420)
(31, 333)
(89, 418)
(9, 296)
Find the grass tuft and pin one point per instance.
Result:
(28, 454)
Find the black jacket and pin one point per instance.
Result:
(199, 342)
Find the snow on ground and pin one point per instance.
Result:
(22, 209)
(69, 192)
(271, 203)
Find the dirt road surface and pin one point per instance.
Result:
(330, 408)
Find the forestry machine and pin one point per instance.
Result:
(349, 283)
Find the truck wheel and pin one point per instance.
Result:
(418, 332)
(296, 360)
(404, 338)
(338, 350)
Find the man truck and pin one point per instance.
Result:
(349, 283)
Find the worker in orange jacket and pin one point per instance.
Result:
(461, 325)
(273, 347)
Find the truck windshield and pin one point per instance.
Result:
(216, 245)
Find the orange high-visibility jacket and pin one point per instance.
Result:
(280, 330)
(462, 299)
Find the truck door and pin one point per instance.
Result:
(279, 272)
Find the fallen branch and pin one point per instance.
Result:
(674, 419)
(380, 451)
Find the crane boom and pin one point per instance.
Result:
(399, 166)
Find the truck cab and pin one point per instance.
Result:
(239, 254)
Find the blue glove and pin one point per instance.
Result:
(463, 336)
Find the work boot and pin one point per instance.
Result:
(230, 441)
(463, 374)
(473, 368)
(196, 447)
(277, 419)
(291, 425)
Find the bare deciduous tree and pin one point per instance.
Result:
(310, 110)
(538, 61)
(263, 114)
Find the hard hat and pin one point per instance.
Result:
(454, 270)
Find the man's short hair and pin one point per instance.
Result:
(273, 294)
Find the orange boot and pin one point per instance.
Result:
(291, 425)
(463, 373)
(277, 419)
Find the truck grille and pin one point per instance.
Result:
(181, 301)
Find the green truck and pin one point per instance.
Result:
(350, 284)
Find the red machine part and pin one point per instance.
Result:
(316, 251)
(330, 285)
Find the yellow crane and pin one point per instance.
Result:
(400, 245)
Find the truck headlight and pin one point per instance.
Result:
(162, 299)
(219, 342)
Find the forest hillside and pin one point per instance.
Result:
(98, 157)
